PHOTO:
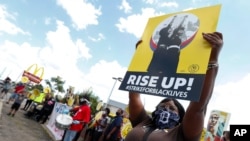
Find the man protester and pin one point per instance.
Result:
(80, 118)
(113, 130)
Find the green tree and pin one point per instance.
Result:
(56, 84)
(92, 98)
(47, 81)
(30, 87)
(39, 87)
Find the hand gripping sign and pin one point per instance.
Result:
(33, 76)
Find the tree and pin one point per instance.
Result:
(49, 84)
(39, 87)
(56, 84)
(92, 98)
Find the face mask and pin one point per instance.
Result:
(103, 115)
(165, 119)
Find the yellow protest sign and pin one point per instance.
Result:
(203, 134)
(172, 59)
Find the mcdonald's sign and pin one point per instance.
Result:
(33, 76)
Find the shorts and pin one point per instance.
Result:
(5, 91)
(13, 95)
(15, 106)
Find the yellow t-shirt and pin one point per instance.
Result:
(70, 101)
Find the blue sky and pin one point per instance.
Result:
(89, 42)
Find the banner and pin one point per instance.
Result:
(33, 76)
(58, 109)
(172, 59)
(217, 123)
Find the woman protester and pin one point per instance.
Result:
(179, 125)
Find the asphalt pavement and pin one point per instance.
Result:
(20, 127)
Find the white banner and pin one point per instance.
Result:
(58, 109)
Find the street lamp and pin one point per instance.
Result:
(116, 79)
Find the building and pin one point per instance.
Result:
(115, 105)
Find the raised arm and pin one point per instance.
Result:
(136, 107)
(194, 118)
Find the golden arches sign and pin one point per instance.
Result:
(33, 76)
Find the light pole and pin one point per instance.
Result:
(115, 78)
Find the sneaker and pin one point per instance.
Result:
(13, 115)
(8, 114)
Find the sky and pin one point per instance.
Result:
(88, 42)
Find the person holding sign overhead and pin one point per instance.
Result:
(169, 121)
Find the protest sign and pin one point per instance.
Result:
(59, 108)
(172, 59)
(217, 124)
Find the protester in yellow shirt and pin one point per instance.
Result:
(30, 98)
(70, 100)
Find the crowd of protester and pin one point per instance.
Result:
(102, 126)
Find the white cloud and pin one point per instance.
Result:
(135, 24)
(125, 6)
(150, 1)
(12, 52)
(99, 38)
(57, 58)
(81, 12)
(169, 4)
(9, 27)
(232, 97)
(162, 3)
(60, 59)
(68, 48)
(83, 50)
(100, 76)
